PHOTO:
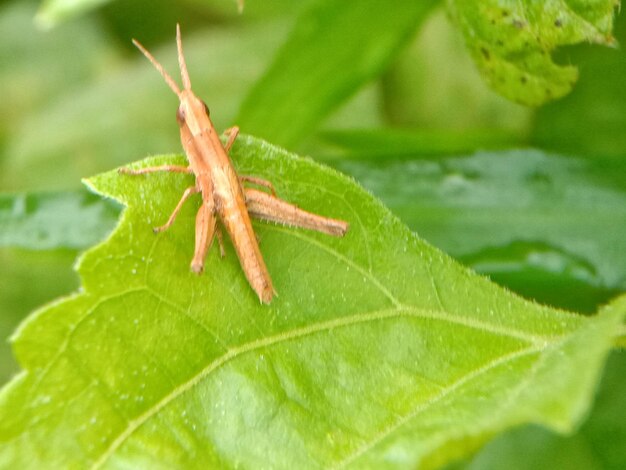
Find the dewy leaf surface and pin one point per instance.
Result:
(378, 352)
(511, 42)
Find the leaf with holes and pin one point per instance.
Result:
(378, 351)
(512, 42)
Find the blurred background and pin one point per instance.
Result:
(534, 198)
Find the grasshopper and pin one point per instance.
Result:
(223, 195)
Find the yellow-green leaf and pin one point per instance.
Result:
(378, 352)
(512, 42)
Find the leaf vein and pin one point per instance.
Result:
(233, 353)
(368, 274)
(432, 401)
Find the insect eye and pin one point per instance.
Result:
(180, 115)
(206, 108)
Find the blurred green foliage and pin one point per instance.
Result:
(409, 120)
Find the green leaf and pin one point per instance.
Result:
(44, 221)
(591, 121)
(29, 279)
(335, 48)
(512, 42)
(379, 350)
(593, 447)
(524, 217)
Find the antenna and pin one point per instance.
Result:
(181, 60)
(171, 83)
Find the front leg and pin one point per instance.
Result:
(232, 133)
(188, 192)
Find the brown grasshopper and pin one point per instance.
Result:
(223, 193)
